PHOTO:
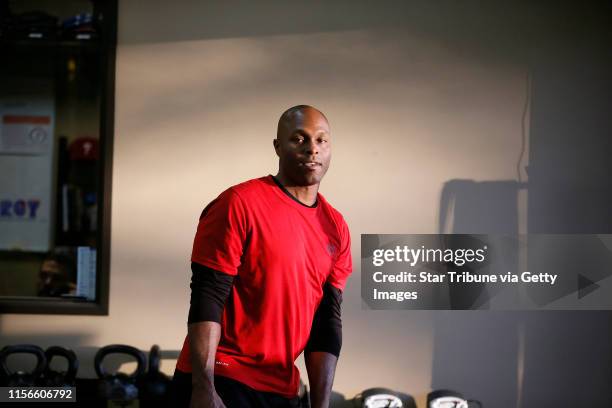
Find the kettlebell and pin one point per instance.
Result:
(52, 378)
(21, 378)
(119, 386)
(156, 384)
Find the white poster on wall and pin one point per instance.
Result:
(86, 273)
(26, 169)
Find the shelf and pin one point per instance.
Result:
(47, 43)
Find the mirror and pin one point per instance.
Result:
(56, 116)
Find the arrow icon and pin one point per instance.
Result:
(585, 286)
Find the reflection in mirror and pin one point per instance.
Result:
(48, 202)
(54, 89)
(56, 276)
(49, 199)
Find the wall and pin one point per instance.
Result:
(417, 94)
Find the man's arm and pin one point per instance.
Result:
(321, 367)
(209, 291)
(323, 348)
(203, 341)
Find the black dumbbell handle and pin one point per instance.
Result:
(41, 360)
(154, 359)
(120, 349)
(73, 363)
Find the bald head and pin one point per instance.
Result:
(288, 119)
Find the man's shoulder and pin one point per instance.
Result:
(249, 187)
(334, 213)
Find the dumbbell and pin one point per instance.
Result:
(52, 378)
(155, 384)
(444, 398)
(378, 397)
(21, 378)
(119, 387)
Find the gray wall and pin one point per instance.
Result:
(418, 94)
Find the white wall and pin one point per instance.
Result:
(198, 95)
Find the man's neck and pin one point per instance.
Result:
(307, 195)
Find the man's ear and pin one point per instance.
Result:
(276, 144)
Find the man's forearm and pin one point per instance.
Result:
(203, 341)
(321, 367)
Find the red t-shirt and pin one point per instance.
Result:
(281, 253)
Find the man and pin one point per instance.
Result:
(270, 260)
(56, 275)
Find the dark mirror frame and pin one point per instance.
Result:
(33, 305)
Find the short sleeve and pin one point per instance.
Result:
(221, 234)
(343, 267)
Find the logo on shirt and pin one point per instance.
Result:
(331, 249)
(222, 363)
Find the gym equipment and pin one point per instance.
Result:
(119, 388)
(87, 393)
(52, 378)
(303, 395)
(449, 399)
(21, 378)
(155, 385)
(378, 398)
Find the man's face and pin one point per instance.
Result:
(303, 147)
(52, 279)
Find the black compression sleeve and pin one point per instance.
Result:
(209, 291)
(326, 332)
